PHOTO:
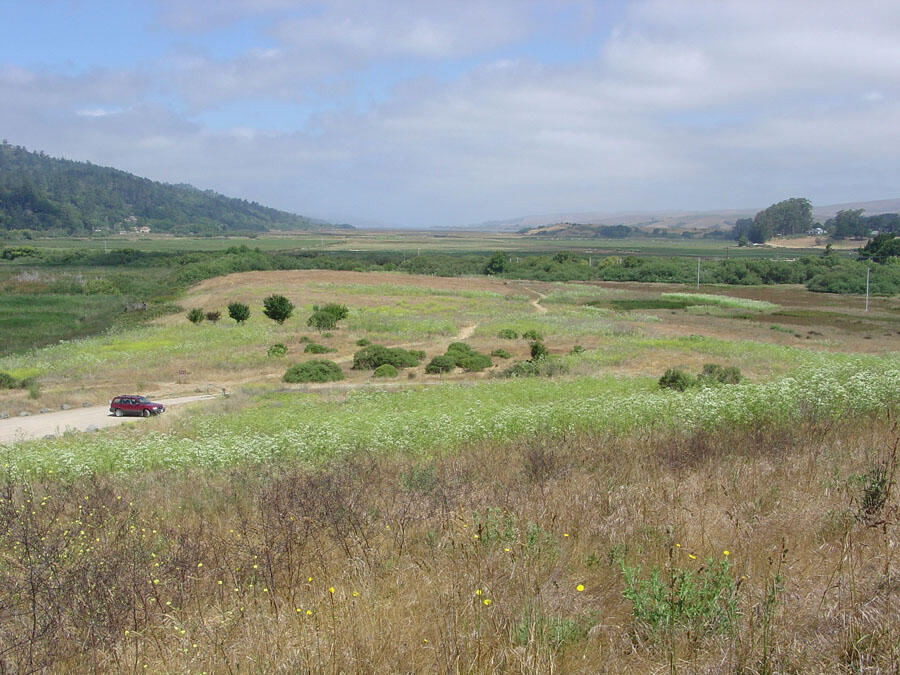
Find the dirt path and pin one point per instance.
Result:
(536, 297)
(77, 419)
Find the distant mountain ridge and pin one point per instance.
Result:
(60, 196)
(695, 220)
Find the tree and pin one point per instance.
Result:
(326, 318)
(881, 248)
(497, 264)
(239, 311)
(848, 223)
(278, 308)
(791, 216)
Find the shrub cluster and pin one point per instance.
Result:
(7, 381)
(500, 353)
(316, 370)
(372, 356)
(461, 355)
(196, 315)
(508, 334)
(549, 366)
(711, 374)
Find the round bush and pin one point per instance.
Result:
(532, 335)
(196, 315)
(363, 342)
(500, 353)
(508, 334)
(314, 371)
(375, 355)
(385, 370)
(441, 364)
(316, 348)
(475, 363)
(278, 308)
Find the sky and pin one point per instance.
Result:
(422, 113)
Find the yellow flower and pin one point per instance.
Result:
(506, 549)
(331, 589)
(579, 587)
(725, 553)
(355, 594)
(565, 534)
(487, 601)
(478, 591)
(309, 612)
(691, 556)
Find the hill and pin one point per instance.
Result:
(674, 219)
(60, 196)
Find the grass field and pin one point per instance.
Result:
(584, 522)
(450, 242)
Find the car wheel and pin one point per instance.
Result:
(146, 413)
(118, 412)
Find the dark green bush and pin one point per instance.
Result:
(314, 371)
(532, 335)
(196, 315)
(546, 367)
(713, 373)
(441, 364)
(577, 349)
(372, 356)
(316, 348)
(538, 350)
(278, 308)
(239, 311)
(363, 342)
(675, 378)
(322, 321)
(508, 334)
(500, 353)
(385, 370)
(277, 349)
(475, 362)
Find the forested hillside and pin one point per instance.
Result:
(59, 196)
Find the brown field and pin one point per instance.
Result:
(499, 558)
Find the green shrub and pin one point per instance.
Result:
(7, 381)
(316, 348)
(577, 349)
(675, 378)
(278, 308)
(322, 321)
(363, 342)
(277, 349)
(385, 370)
(549, 366)
(196, 315)
(475, 363)
(314, 371)
(700, 599)
(239, 311)
(538, 350)
(304, 338)
(713, 373)
(500, 353)
(507, 334)
(441, 364)
(532, 335)
(418, 353)
(372, 356)
(339, 312)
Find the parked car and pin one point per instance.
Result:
(135, 405)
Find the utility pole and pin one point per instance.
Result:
(698, 272)
(868, 269)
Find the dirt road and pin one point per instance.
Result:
(76, 419)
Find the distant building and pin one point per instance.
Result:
(816, 232)
(144, 229)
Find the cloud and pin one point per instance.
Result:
(681, 104)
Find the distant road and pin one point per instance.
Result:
(77, 419)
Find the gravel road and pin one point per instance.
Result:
(76, 419)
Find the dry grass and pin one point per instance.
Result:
(471, 562)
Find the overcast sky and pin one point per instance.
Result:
(428, 113)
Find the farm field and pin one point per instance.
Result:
(466, 521)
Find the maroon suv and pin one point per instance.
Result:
(135, 405)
